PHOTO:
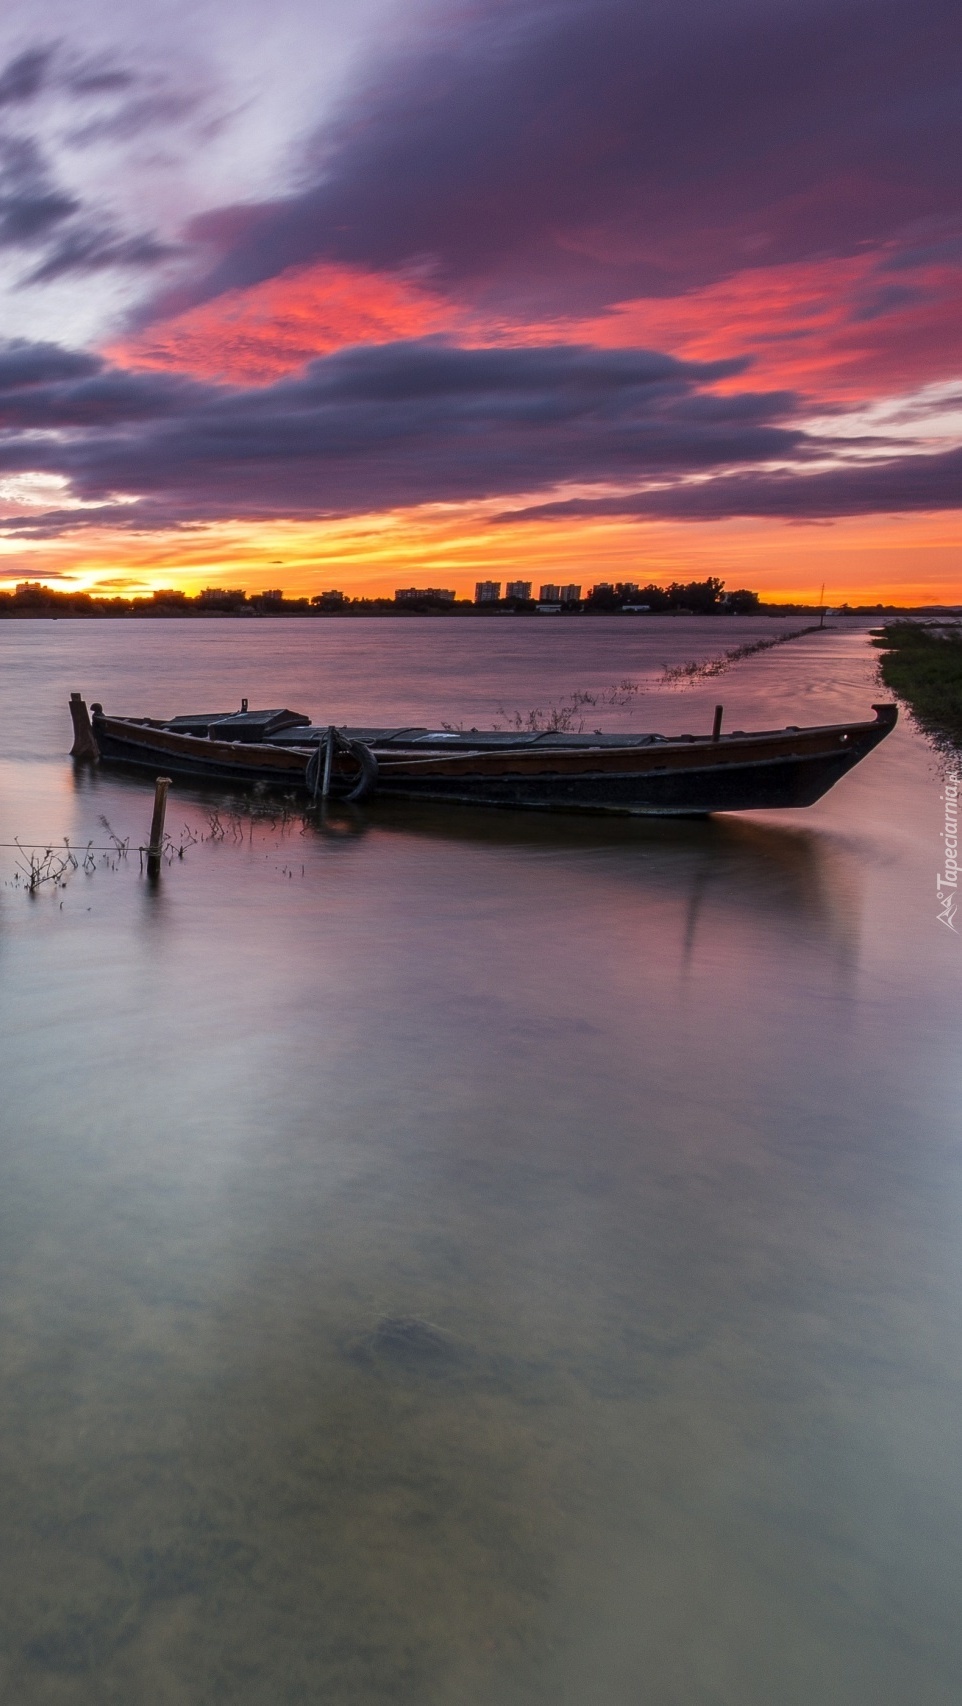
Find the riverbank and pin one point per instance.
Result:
(923, 665)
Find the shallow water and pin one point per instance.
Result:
(475, 1257)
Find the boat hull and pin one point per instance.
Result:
(680, 777)
(757, 785)
(123, 741)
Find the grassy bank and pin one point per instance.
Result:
(924, 667)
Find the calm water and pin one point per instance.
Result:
(474, 1259)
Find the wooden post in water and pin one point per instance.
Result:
(84, 746)
(155, 846)
(328, 762)
(716, 725)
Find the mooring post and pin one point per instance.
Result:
(328, 762)
(155, 846)
(84, 746)
(716, 725)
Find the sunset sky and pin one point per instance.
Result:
(397, 294)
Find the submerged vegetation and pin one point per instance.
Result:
(566, 716)
(686, 674)
(51, 865)
(923, 665)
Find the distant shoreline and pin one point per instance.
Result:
(472, 612)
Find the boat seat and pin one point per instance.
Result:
(248, 726)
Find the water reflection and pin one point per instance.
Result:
(756, 862)
(479, 1257)
(750, 861)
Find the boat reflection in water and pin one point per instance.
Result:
(801, 877)
(800, 881)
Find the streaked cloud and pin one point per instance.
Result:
(898, 485)
(587, 150)
(558, 263)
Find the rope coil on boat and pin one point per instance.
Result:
(320, 776)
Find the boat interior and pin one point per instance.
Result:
(293, 729)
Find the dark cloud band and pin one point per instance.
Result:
(893, 486)
(419, 422)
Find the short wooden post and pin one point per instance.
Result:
(84, 747)
(328, 762)
(155, 846)
(716, 725)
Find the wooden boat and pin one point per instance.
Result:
(644, 775)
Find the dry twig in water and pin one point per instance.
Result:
(565, 716)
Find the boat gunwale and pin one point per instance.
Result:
(640, 757)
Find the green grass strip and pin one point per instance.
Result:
(925, 669)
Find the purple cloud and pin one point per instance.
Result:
(24, 76)
(111, 103)
(374, 428)
(24, 364)
(32, 205)
(590, 149)
(895, 485)
(96, 248)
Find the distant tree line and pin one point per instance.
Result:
(708, 597)
(701, 598)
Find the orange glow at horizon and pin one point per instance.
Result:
(825, 328)
(862, 560)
